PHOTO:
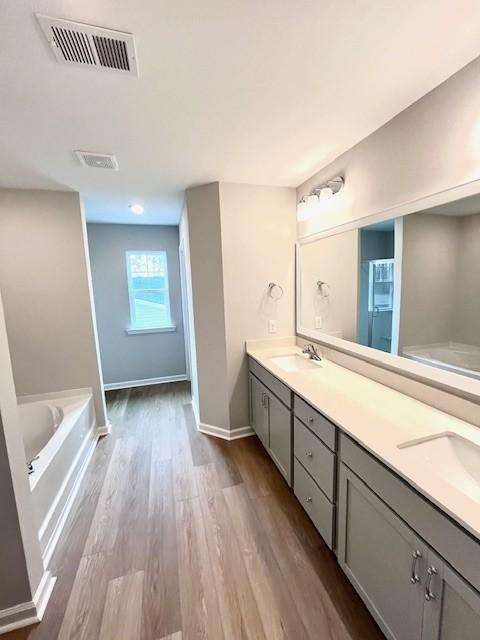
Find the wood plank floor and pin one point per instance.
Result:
(179, 535)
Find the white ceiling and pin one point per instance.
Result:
(263, 92)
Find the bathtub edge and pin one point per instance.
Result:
(54, 537)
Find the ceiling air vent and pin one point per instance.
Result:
(75, 43)
(97, 160)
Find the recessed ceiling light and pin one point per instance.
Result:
(136, 208)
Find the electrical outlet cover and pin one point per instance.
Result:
(272, 326)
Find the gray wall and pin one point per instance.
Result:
(466, 303)
(14, 583)
(440, 279)
(204, 231)
(241, 238)
(126, 357)
(21, 566)
(44, 279)
(429, 147)
(189, 312)
(429, 269)
(258, 247)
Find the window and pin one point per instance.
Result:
(148, 291)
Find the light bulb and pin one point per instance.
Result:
(326, 192)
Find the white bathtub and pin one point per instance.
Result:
(451, 356)
(59, 433)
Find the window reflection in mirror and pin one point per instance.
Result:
(409, 286)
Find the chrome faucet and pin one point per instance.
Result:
(312, 352)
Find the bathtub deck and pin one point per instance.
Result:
(179, 535)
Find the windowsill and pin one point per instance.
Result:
(133, 332)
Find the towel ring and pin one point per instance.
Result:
(275, 291)
(320, 285)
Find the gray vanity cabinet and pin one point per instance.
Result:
(380, 555)
(452, 610)
(411, 592)
(259, 410)
(280, 427)
(271, 420)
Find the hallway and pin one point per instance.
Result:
(178, 535)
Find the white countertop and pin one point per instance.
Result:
(379, 419)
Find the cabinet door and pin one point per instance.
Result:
(452, 607)
(259, 410)
(280, 423)
(382, 557)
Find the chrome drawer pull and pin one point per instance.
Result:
(429, 595)
(310, 419)
(414, 578)
(309, 499)
(309, 454)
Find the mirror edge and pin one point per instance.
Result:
(450, 381)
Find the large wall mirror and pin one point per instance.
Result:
(408, 286)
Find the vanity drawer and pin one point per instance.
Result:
(317, 459)
(316, 504)
(278, 388)
(317, 423)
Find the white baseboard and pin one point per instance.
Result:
(43, 593)
(225, 434)
(31, 612)
(196, 412)
(143, 383)
(104, 430)
(220, 432)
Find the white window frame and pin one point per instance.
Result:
(133, 329)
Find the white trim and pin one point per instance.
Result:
(143, 383)
(226, 434)
(131, 296)
(43, 593)
(53, 395)
(220, 432)
(33, 610)
(104, 430)
(196, 412)
(452, 382)
(185, 305)
(27, 621)
(17, 608)
(167, 329)
(56, 533)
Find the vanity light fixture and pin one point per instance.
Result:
(137, 209)
(321, 192)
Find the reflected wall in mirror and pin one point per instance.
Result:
(409, 286)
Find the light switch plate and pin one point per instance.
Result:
(272, 326)
(318, 322)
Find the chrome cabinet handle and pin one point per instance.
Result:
(309, 499)
(414, 578)
(310, 419)
(429, 595)
(309, 454)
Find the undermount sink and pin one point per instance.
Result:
(455, 458)
(295, 362)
